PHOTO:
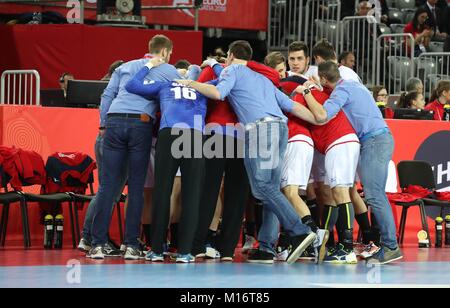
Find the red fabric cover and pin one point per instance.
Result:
(443, 196)
(23, 167)
(414, 192)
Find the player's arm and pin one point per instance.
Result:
(226, 82)
(138, 85)
(288, 105)
(319, 113)
(208, 90)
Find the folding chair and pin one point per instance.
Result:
(414, 173)
(6, 199)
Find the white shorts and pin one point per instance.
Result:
(178, 173)
(341, 161)
(297, 162)
(318, 173)
(150, 179)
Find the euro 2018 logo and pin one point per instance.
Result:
(436, 151)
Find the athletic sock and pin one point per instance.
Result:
(364, 225)
(344, 225)
(314, 209)
(307, 220)
(211, 238)
(376, 232)
(250, 228)
(329, 218)
(147, 234)
(174, 235)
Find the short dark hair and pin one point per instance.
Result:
(330, 71)
(158, 43)
(274, 58)
(182, 64)
(325, 50)
(298, 46)
(344, 55)
(241, 50)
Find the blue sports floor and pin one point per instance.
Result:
(69, 268)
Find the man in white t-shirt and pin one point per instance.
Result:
(323, 51)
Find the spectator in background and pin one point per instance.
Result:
(411, 100)
(348, 59)
(380, 94)
(277, 61)
(440, 97)
(64, 80)
(420, 29)
(438, 19)
(111, 70)
(414, 85)
(381, 97)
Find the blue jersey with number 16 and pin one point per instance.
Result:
(181, 107)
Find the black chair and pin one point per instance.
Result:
(421, 174)
(6, 199)
(57, 199)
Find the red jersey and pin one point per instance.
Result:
(266, 71)
(438, 109)
(219, 112)
(325, 135)
(291, 83)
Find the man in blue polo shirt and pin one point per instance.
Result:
(183, 112)
(128, 119)
(258, 105)
(377, 146)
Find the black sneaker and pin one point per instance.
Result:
(111, 252)
(299, 245)
(259, 256)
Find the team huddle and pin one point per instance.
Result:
(244, 128)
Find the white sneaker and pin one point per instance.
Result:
(250, 242)
(132, 254)
(96, 253)
(212, 253)
(281, 256)
(320, 245)
(84, 246)
(369, 251)
(123, 248)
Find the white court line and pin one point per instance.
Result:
(380, 286)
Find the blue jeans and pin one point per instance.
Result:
(265, 147)
(127, 144)
(86, 234)
(376, 153)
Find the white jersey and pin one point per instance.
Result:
(346, 73)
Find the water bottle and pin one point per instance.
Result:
(446, 113)
(439, 228)
(48, 232)
(59, 229)
(447, 230)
